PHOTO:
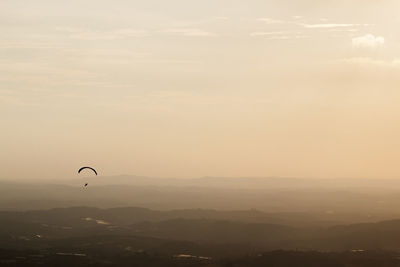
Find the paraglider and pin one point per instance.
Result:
(89, 168)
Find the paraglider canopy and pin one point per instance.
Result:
(90, 168)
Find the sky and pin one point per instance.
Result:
(185, 88)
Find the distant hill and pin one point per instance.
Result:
(250, 183)
(311, 205)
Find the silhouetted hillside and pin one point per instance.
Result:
(139, 258)
(30, 228)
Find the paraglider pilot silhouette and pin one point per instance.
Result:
(89, 168)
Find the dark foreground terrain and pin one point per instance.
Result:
(141, 237)
(141, 258)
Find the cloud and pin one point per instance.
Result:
(254, 34)
(190, 32)
(86, 34)
(368, 41)
(279, 35)
(270, 20)
(221, 18)
(331, 25)
(297, 17)
(350, 30)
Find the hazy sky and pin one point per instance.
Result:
(185, 88)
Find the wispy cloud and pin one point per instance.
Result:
(270, 20)
(279, 35)
(267, 33)
(368, 41)
(331, 25)
(189, 32)
(349, 30)
(86, 34)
